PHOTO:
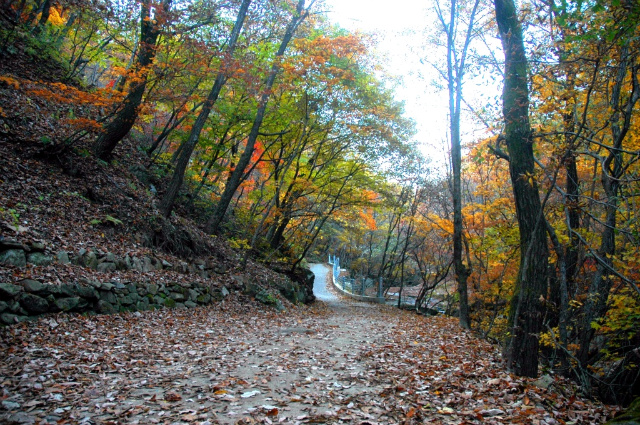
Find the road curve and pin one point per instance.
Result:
(320, 283)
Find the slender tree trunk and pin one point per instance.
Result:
(217, 154)
(37, 8)
(121, 81)
(567, 256)
(187, 148)
(572, 202)
(455, 89)
(613, 170)
(403, 258)
(173, 122)
(526, 310)
(393, 222)
(62, 34)
(285, 204)
(455, 76)
(573, 219)
(121, 124)
(317, 227)
(236, 176)
(601, 283)
(572, 186)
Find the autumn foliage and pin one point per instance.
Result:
(334, 167)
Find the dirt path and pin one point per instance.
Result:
(338, 362)
(209, 367)
(310, 372)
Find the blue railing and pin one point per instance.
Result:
(353, 288)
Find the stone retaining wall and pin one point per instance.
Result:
(19, 255)
(376, 300)
(29, 298)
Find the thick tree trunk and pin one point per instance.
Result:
(526, 311)
(236, 176)
(126, 116)
(46, 12)
(189, 145)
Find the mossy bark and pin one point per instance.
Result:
(526, 311)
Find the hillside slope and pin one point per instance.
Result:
(69, 219)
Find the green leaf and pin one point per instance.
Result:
(113, 220)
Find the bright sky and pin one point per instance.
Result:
(399, 23)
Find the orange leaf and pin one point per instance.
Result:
(411, 413)
(273, 412)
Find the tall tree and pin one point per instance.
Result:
(625, 94)
(456, 67)
(189, 145)
(152, 20)
(526, 310)
(237, 174)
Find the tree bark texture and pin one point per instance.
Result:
(526, 310)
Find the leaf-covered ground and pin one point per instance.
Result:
(336, 362)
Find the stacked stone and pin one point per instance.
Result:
(29, 299)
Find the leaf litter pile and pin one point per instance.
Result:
(234, 363)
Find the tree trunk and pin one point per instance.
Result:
(315, 229)
(277, 237)
(46, 12)
(526, 310)
(573, 220)
(455, 76)
(236, 176)
(613, 171)
(37, 8)
(126, 116)
(187, 149)
(403, 258)
(394, 220)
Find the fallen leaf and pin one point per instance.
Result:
(172, 396)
